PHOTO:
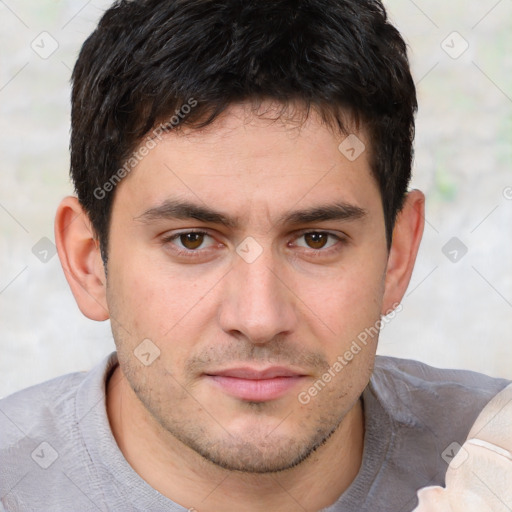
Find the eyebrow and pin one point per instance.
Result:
(180, 209)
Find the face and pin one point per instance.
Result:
(251, 254)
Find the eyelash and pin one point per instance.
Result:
(191, 253)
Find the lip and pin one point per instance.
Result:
(256, 385)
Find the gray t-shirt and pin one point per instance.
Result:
(57, 452)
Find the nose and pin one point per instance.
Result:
(258, 303)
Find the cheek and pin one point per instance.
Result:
(349, 301)
(141, 298)
(155, 302)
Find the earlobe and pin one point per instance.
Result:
(404, 249)
(80, 258)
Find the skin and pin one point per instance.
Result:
(299, 305)
(479, 477)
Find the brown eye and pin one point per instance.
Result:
(194, 246)
(192, 241)
(319, 241)
(316, 240)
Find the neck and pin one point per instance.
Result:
(182, 475)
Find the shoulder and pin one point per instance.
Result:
(418, 416)
(37, 425)
(415, 375)
(47, 408)
(41, 445)
(436, 399)
(38, 407)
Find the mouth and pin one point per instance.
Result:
(256, 385)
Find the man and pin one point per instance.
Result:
(242, 218)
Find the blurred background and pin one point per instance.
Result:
(457, 311)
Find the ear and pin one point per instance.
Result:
(404, 248)
(80, 258)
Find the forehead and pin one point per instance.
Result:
(243, 160)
